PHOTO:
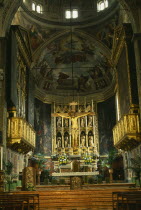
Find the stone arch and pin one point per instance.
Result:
(8, 11)
(132, 8)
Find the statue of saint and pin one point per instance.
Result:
(59, 142)
(66, 141)
(90, 121)
(90, 140)
(83, 141)
(82, 122)
(66, 123)
(73, 116)
(59, 122)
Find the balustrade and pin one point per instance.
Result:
(126, 131)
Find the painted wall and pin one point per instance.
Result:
(43, 128)
(123, 83)
(106, 122)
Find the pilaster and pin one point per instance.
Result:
(137, 48)
(3, 109)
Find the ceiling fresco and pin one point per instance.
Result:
(77, 55)
(38, 34)
(57, 54)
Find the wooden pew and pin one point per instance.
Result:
(126, 200)
(27, 201)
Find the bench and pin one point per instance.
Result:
(126, 200)
(25, 201)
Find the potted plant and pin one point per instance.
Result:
(112, 155)
(108, 163)
(8, 175)
(45, 175)
(39, 161)
(30, 187)
(136, 168)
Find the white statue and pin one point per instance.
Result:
(90, 140)
(66, 141)
(83, 141)
(59, 141)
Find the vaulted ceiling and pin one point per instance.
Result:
(71, 56)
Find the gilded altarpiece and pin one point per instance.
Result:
(86, 138)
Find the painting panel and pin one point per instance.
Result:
(106, 122)
(43, 128)
(123, 83)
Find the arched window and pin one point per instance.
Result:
(71, 13)
(39, 8)
(74, 13)
(101, 5)
(33, 6)
(68, 14)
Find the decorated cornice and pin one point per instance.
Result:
(61, 99)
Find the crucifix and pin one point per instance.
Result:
(73, 115)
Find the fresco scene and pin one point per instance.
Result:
(37, 34)
(71, 55)
(106, 122)
(43, 128)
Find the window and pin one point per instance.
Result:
(38, 8)
(68, 14)
(71, 14)
(101, 5)
(33, 6)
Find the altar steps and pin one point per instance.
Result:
(77, 199)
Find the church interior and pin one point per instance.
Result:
(70, 99)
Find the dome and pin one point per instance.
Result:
(71, 56)
(54, 11)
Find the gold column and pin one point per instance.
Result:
(79, 131)
(54, 131)
(86, 131)
(70, 132)
(63, 145)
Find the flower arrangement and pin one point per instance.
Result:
(63, 159)
(30, 187)
(88, 159)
